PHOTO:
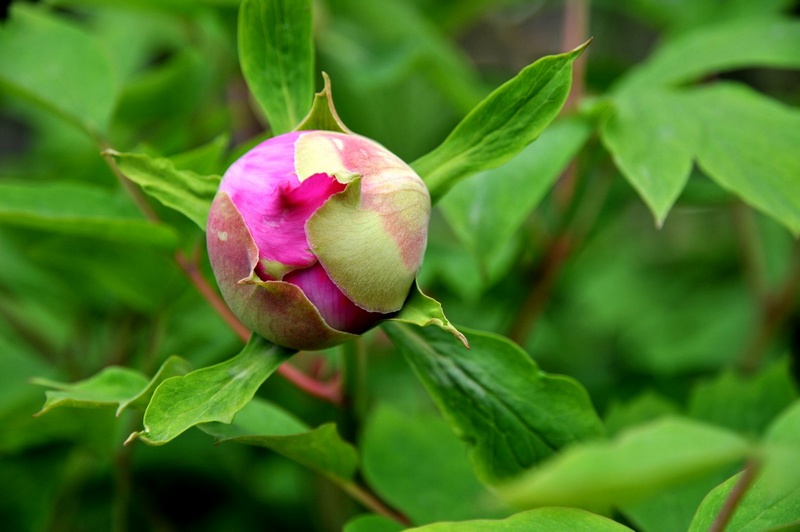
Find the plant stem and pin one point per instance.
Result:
(574, 33)
(371, 502)
(548, 271)
(750, 249)
(775, 309)
(327, 391)
(192, 272)
(735, 497)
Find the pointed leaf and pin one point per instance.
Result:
(486, 209)
(277, 58)
(499, 127)
(79, 209)
(539, 520)
(266, 425)
(215, 393)
(652, 138)
(494, 396)
(59, 66)
(640, 461)
(422, 310)
(750, 148)
(109, 388)
(183, 190)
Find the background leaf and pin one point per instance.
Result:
(215, 393)
(652, 138)
(540, 520)
(745, 404)
(774, 498)
(486, 209)
(372, 523)
(755, 162)
(79, 84)
(431, 480)
(501, 125)
(79, 210)
(183, 190)
(265, 425)
(751, 41)
(277, 58)
(638, 462)
(494, 396)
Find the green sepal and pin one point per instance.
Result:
(323, 115)
(422, 310)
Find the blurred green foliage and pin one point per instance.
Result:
(688, 121)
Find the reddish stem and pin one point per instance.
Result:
(734, 498)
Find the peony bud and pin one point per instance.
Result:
(316, 236)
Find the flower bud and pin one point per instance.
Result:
(316, 236)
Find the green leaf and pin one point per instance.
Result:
(266, 425)
(431, 480)
(323, 115)
(744, 403)
(81, 210)
(671, 509)
(486, 209)
(206, 159)
(422, 311)
(501, 125)
(109, 388)
(642, 408)
(174, 366)
(639, 462)
(494, 396)
(773, 499)
(183, 190)
(750, 148)
(539, 520)
(372, 523)
(655, 136)
(277, 58)
(59, 66)
(392, 40)
(215, 393)
(113, 386)
(749, 42)
(652, 138)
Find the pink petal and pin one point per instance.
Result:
(338, 311)
(275, 205)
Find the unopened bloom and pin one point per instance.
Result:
(316, 236)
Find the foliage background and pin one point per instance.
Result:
(698, 318)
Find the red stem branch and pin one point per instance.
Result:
(734, 498)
